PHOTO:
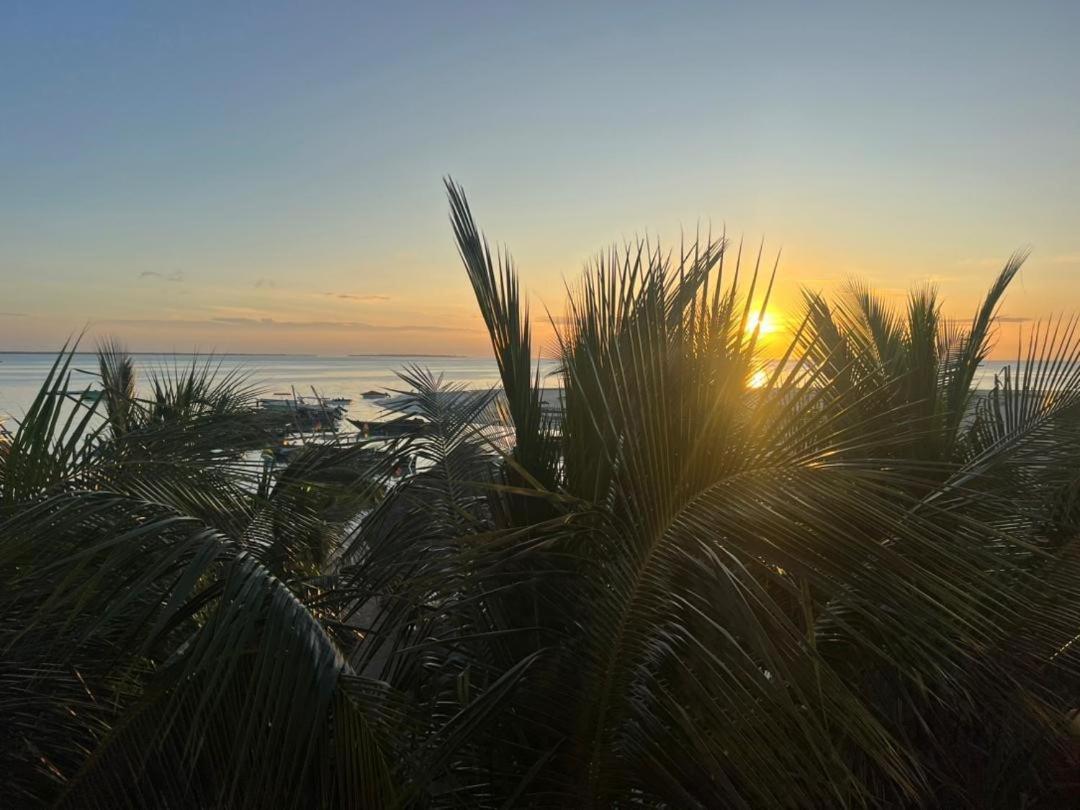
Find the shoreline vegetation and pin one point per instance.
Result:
(840, 578)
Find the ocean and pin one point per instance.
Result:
(21, 375)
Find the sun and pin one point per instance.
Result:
(764, 324)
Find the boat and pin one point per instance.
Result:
(283, 405)
(392, 429)
(375, 394)
(303, 414)
(291, 402)
(333, 407)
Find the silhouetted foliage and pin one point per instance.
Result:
(854, 585)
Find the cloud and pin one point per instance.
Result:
(369, 327)
(998, 319)
(985, 263)
(13, 315)
(369, 298)
(1066, 258)
(272, 323)
(265, 283)
(997, 264)
(175, 276)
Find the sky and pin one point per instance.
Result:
(264, 177)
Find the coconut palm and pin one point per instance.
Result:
(854, 585)
(714, 595)
(1008, 453)
(159, 645)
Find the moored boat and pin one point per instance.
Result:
(304, 414)
(276, 404)
(287, 403)
(390, 429)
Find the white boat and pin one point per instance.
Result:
(277, 404)
(406, 404)
(307, 412)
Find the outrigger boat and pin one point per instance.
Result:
(491, 403)
(390, 429)
(316, 405)
(306, 413)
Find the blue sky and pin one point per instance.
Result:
(268, 176)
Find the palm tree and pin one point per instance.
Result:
(1004, 455)
(852, 586)
(163, 644)
(707, 594)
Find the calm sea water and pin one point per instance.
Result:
(22, 374)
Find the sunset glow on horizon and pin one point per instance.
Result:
(272, 182)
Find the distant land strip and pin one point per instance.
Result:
(240, 354)
(172, 354)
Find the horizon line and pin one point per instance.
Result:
(52, 352)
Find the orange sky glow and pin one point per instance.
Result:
(242, 182)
